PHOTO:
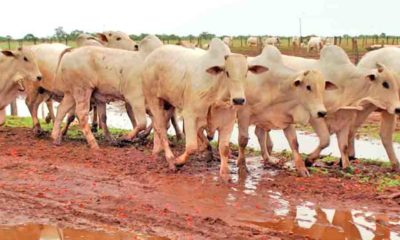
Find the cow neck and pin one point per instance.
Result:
(7, 76)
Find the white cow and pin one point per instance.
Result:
(357, 91)
(315, 43)
(117, 39)
(389, 57)
(192, 81)
(87, 40)
(227, 40)
(276, 99)
(16, 68)
(252, 41)
(106, 75)
(274, 41)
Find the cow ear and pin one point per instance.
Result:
(8, 53)
(330, 86)
(258, 69)
(102, 37)
(215, 70)
(297, 82)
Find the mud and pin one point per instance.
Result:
(121, 191)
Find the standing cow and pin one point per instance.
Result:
(252, 41)
(276, 99)
(192, 81)
(315, 43)
(106, 75)
(227, 40)
(274, 41)
(15, 67)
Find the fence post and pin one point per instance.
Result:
(355, 51)
(9, 43)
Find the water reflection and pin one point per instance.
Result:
(47, 232)
(320, 223)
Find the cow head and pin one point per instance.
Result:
(309, 87)
(120, 40)
(384, 89)
(24, 66)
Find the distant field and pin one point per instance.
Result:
(239, 45)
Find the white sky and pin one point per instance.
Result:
(183, 17)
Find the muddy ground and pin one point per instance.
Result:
(128, 190)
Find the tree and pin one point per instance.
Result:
(383, 35)
(30, 37)
(206, 35)
(74, 34)
(60, 33)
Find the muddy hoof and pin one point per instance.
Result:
(303, 172)
(57, 142)
(173, 167)
(179, 165)
(243, 170)
(225, 177)
(48, 119)
(94, 128)
(121, 142)
(352, 158)
(180, 136)
(308, 162)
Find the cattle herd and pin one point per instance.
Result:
(210, 90)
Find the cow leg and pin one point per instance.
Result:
(191, 139)
(243, 140)
(131, 115)
(70, 119)
(138, 107)
(96, 116)
(33, 100)
(14, 108)
(160, 130)
(50, 116)
(224, 134)
(204, 144)
(322, 131)
(262, 140)
(290, 134)
(270, 144)
(103, 121)
(178, 131)
(388, 124)
(343, 141)
(2, 117)
(82, 101)
(66, 105)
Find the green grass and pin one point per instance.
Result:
(389, 181)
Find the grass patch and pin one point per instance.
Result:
(389, 181)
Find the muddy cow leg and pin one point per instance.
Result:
(66, 105)
(103, 121)
(224, 134)
(262, 141)
(82, 102)
(343, 141)
(388, 124)
(33, 100)
(204, 144)
(243, 140)
(290, 134)
(2, 117)
(191, 144)
(178, 131)
(70, 118)
(270, 144)
(95, 120)
(138, 107)
(322, 131)
(50, 116)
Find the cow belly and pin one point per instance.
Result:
(272, 120)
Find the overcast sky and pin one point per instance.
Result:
(183, 17)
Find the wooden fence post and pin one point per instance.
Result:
(9, 43)
(14, 108)
(355, 50)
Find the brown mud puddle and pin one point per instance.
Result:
(125, 191)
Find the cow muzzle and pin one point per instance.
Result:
(238, 101)
(321, 114)
(39, 78)
(397, 111)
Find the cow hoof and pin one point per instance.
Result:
(94, 128)
(225, 177)
(308, 162)
(173, 167)
(352, 158)
(48, 119)
(180, 136)
(57, 142)
(243, 170)
(303, 172)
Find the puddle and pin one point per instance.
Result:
(48, 232)
(370, 149)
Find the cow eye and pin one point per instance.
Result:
(227, 73)
(118, 38)
(26, 59)
(385, 84)
(309, 88)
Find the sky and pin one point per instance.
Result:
(183, 17)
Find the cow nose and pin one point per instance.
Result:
(238, 101)
(321, 114)
(39, 78)
(397, 110)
